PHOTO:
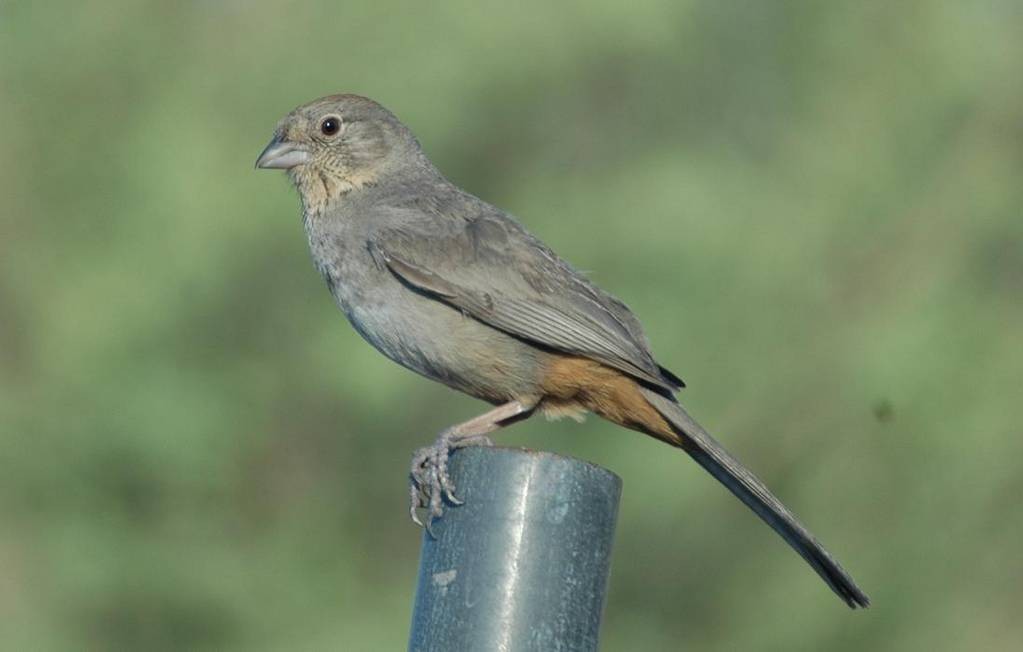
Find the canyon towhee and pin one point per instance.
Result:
(457, 290)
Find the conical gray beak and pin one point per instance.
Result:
(282, 155)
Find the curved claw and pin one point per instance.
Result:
(430, 485)
(414, 503)
(444, 480)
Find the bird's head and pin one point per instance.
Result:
(338, 144)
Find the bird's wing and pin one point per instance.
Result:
(492, 269)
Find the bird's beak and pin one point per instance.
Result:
(282, 155)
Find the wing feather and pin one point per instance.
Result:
(504, 277)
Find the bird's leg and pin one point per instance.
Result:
(430, 483)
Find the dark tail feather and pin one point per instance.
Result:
(741, 482)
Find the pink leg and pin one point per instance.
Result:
(430, 483)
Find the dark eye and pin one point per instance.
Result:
(330, 126)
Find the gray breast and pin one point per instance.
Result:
(419, 332)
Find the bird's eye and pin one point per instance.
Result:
(330, 126)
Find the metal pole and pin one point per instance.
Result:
(523, 564)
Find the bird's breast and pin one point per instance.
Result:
(415, 330)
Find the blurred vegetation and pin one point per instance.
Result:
(814, 207)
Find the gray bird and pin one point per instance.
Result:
(457, 290)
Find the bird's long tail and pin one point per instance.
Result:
(740, 481)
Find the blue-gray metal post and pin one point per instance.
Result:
(523, 564)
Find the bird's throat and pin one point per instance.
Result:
(320, 189)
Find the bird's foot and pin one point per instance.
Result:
(430, 485)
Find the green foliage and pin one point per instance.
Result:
(814, 207)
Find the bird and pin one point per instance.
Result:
(457, 290)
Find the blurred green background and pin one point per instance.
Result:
(814, 207)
